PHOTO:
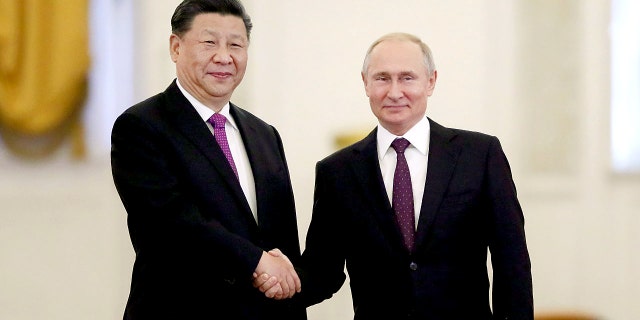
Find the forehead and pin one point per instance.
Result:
(218, 24)
(396, 56)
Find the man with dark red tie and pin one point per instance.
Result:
(413, 208)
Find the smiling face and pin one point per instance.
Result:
(211, 58)
(398, 84)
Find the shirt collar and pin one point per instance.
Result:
(204, 111)
(418, 136)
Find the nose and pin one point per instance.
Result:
(395, 91)
(222, 55)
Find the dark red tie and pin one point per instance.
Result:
(403, 194)
(217, 121)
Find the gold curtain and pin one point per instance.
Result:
(44, 60)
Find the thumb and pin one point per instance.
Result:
(276, 252)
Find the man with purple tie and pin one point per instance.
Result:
(205, 183)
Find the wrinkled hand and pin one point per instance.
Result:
(275, 276)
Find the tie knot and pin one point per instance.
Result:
(400, 145)
(217, 120)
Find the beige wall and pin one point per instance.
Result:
(534, 73)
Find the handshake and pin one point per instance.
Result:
(275, 276)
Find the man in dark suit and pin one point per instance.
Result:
(416, 247)
(206, 196)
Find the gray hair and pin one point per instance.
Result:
(401, 36)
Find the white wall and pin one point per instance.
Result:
(533, 73)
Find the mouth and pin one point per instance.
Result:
(395, 107)
(220, 75)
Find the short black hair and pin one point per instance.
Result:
(187, 10)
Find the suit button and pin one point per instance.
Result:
(413, 266)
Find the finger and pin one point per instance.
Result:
(297, 282)
(274, 292)
(275, 252)
(286, 258)
(285, 284)
(291, 285)
(258, 281)
(263, 283)
(271, 282)
(271, 292)
(280, 295)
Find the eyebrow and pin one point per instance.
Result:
(217, 34)
(408, 73)
(380, 73)
(401, 73)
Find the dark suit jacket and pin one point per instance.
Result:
(196, 241)
(469, 206)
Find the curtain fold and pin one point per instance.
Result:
(44, 63)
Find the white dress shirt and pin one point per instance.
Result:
(417, 158)
(239, 153)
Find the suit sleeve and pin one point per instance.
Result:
(512, 284)
(164, 219)
(323, 260)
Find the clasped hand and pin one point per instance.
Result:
(275, 276)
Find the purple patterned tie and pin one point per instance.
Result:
(217, 121)
(403, 194)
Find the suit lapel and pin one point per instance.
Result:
(442, 161)
(252, 142)
(190, 124)
(367, 170)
